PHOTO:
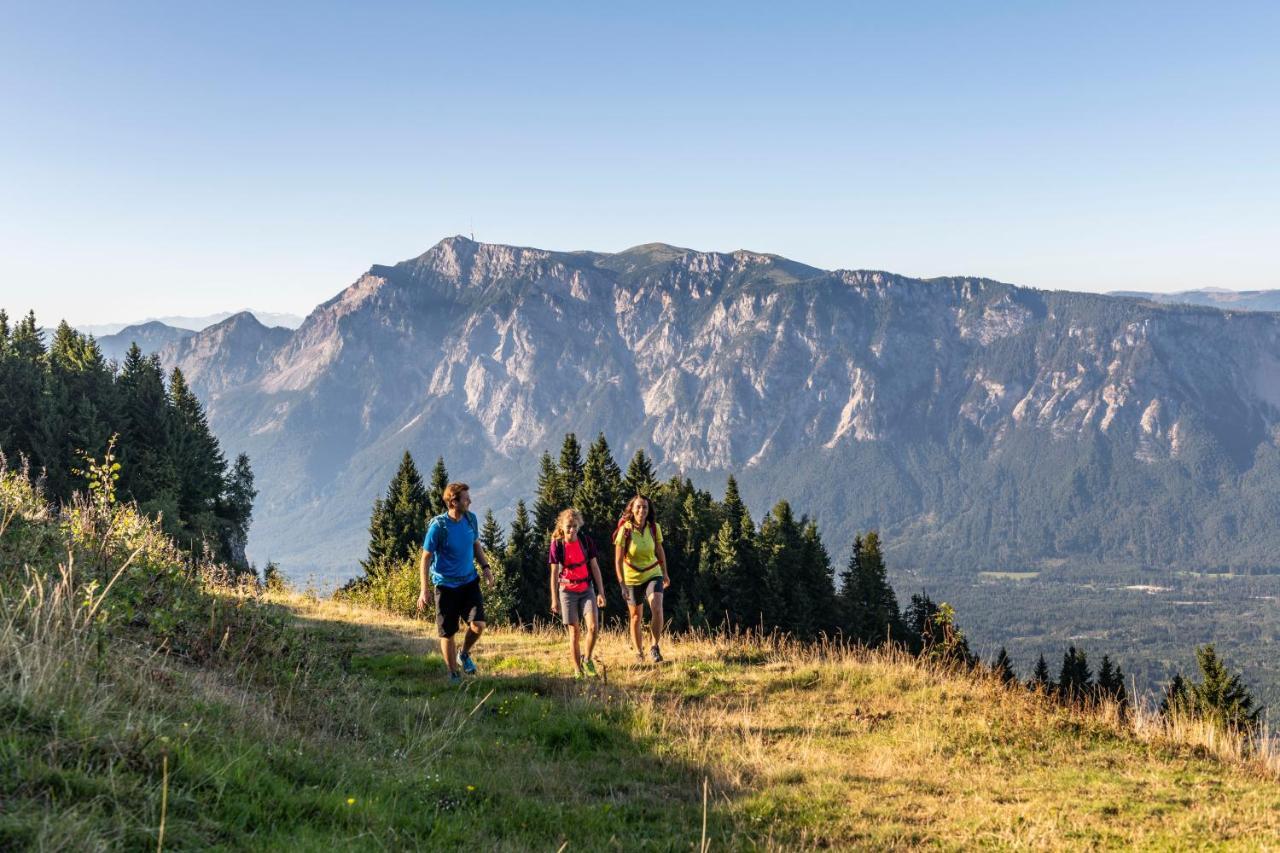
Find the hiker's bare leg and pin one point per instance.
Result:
(573, 643)
(474, 630)
(637, 624)
(655, 617)
(590, 617)
(449, 649)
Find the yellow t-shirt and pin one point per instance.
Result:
(642, 554)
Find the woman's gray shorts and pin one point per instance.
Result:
(574, 606)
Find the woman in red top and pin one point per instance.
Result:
(573, 596)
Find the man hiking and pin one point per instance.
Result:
(451, 550)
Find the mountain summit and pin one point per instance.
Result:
(975, 422)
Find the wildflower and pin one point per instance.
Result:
(471, 787)
(351, 801)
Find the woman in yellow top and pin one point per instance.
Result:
(641, 567)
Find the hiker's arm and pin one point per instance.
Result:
(617, 561)
(662, 561)
(424, 565)
(595, 570)
(555, 599)
(482, 560)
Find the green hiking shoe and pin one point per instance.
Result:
(590, 666)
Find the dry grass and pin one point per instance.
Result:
(824, 745)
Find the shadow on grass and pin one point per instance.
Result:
(523, 758)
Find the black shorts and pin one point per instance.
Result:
(638, 594)
(458, 602)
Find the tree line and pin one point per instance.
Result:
(63, 402)
(730, 573)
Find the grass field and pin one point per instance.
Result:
(730, 745)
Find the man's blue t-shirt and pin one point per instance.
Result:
(453, 545)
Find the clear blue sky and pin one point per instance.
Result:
(162, 158)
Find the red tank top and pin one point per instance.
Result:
(575, 573)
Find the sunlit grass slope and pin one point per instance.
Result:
(798, 747)
(361, 745)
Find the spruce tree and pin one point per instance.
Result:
(397, 524)
(1075, 680)
(236, 510)
(545, 508)
(599, 499)
(502, 592)
(528, 567)
(569, 473)
(640, 479)
(1003, 667)
(853, 617)
(1177, 698)
(818, 578)
(869, 607)
(197, 459)
(491, 538)
(1040, 677)
(435, 495)
(148, 473)
(1110, 684)
(22, 389)
(780, 548)
(1221, 695)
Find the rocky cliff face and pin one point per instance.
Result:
(974, 421)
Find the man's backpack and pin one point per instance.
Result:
(470, 517)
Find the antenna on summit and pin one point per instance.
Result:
(473, 231)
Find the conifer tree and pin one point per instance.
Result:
(236, 510)
(527, 564)
(545, 506)
(599, 499)
(640, 479)
(396, 527)
(1177, 698)
(197, 459)
(22, 388)
(1003, 667)
(1220, 694)
(780, 550)
(868, 606)
(818, 578)
(569, 473)
(148, 472)
(599, 495)
(1040, 677)
(502, 592)
(491, 538)
(435, 494)
(1110, 684)
(1075, 679)
(849, 600)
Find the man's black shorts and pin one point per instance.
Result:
(458, 602)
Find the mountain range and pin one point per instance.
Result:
(1214, 297)
(192, 324)
(979, 425)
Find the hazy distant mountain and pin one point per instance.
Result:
(150, 337)
(195, 324)
(978, 424)
(1213, 297)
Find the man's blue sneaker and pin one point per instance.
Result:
(455, 677)
(467, 664)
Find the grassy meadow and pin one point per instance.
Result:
(149, 703)
(768, 745)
